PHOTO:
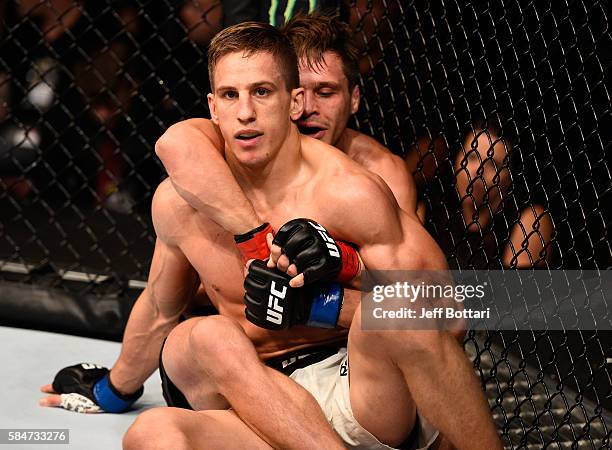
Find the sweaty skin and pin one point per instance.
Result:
(195, 146)
(211, 252)
(180, 228)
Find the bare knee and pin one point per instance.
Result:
(155, 429)
(215, 344)
(222, 344)
(215, 336)
(397, 343)
(383, 343)
(211, 351)
(176, 358)
(197, 351)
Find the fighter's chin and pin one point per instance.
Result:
(252, 158)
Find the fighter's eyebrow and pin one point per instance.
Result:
(262, 83)
(327, 84)
(253, 85)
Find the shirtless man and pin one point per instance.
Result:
(216, 361)
(328, 73)
(328, 65)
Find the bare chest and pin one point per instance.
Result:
(215, 257)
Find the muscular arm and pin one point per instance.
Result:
(436, 370)
(171, 285)
(192, 153)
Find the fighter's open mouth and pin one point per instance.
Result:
(246, 136)
(310, 130)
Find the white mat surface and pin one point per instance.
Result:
(30, 359)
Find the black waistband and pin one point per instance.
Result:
(298, 359)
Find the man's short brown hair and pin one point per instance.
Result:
(314, 34)
(251, 38)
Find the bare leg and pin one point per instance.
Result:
(197, 386)
(394, 372)
(214, 352)
(181, 429)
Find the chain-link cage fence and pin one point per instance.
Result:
(501, 110)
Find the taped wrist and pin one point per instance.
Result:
(252, 244)
(350, 263)
(110, 399)
(326, 305)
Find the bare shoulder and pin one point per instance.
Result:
(367, 151)
(365, 212)
(358, 185)
(339, 173)
(368, 214)
(176, 221)
(362, 205)
(378, 159)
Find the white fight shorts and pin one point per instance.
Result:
(328, 382)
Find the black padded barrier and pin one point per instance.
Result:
(501, 109)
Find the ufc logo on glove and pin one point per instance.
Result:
(275, 311)
(331, 244)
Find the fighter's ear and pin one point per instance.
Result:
(297, 103)
(213, 109)
(355, 98)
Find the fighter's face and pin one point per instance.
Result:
(252, 106)
(328, 101)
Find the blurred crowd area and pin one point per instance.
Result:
(87, 87)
